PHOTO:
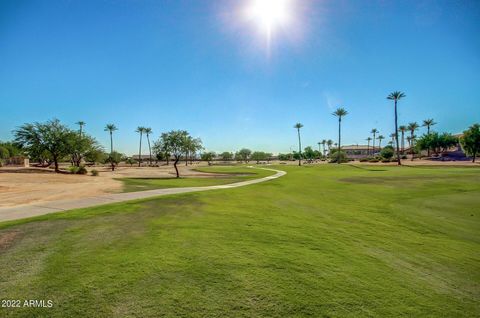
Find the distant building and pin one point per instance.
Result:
(360, 151)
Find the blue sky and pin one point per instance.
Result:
(196, 65)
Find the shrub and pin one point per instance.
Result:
(364, 159)
(82, 170)
(73, 169)
(338, 157)
(387, 152)
(95, 173)
(386, 160)
(373, 160)
(404, 157)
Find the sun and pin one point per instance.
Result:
(269, 14)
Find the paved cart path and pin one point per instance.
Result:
(30, 210)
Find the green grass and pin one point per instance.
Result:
(234, 174)
(322, 241)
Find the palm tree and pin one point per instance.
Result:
(374, 132)
(368, 145)
(340, 112)
(403, 129)
(298, 126)
(380, 138)
(319, 148)
(81, 124)
(329, 145)
(147, 132)
(412, 127)
(111, 128)
(428, 123)
(140, 130)
(392, 135)
(324, 142)
(396, 96)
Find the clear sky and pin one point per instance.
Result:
(204, 66)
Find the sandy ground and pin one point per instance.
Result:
(20, 186)
(35, 186)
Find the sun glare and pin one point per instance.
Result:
(269, 14)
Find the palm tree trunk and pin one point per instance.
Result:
(299, 148)
(373, 150)
(413, 144)
(111, 151)
(149, 149)
(339, 138)
(428, 134)
(403, 142)
(396, 134)
(140, 152)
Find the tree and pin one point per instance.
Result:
(140, 130)
(111, 128)
(208, 156)
(80, 124)
(324, 142)
(329, 145)
(298, 126)
(428, 123)
(51, 137)
(176, 143)
(226, 156)
(309, 153)
(80, 146)
(412, 127)
(471, 141)
(148, 131)
(387, 152)
(368, 145)
(340, 113)
(374, 132)
(436, 142)
(161, 148)
(243, 155)
(396, 96)
(114, 159)
(403, 129)
(192, 145)
(259, 156)
(380, 138)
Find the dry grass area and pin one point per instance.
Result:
(20, 186)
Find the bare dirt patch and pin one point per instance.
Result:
(7, 239)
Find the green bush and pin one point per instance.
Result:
(387, 152)
(73, 169)
(364, 159)
(373, 160)
(386, 160)
(77, 170)
(338, 157)
(82, 170)
(95, 173)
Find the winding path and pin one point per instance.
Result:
(26, 211)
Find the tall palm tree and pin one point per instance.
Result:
(392, 135)
(147, 132)
(412, 127)
(80, 124)
(111, 128)
(298, 126)
(140, 130)
(368, 145)
(340, 112)
(396, 96)
(324, 142)
(319, 148)
(428, 123)
(374, 132)
(403, 129)
(329, 145)
(380, 138)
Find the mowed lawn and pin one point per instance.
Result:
(226, 175)
(322, 241)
